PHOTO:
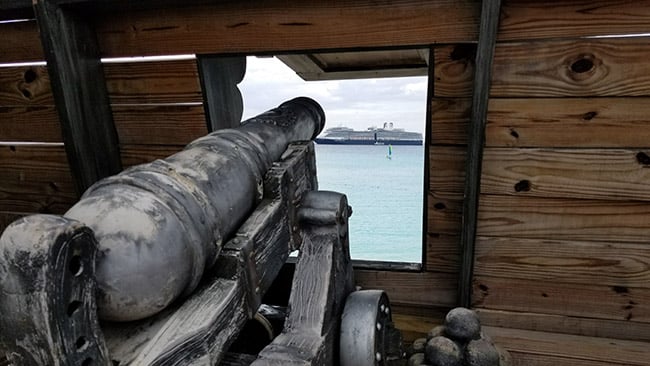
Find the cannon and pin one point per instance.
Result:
(167, 262)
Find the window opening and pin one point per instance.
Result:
(383, 176)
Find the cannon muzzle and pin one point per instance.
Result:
(160, 225)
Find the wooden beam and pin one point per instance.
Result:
(79, 93)
(489, 25)
(222, 98)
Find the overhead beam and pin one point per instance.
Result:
(489, 26)
(222, 99)
(80, 94)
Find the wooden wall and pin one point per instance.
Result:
(562, 261)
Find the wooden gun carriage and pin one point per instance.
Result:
(537, 218)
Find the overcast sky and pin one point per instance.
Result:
(353, 103)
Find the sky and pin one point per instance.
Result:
(358, 104)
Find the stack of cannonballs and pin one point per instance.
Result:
(459, 342)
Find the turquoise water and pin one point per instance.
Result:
(385, 195)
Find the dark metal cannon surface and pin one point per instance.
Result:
(160, 225)
(190, 245)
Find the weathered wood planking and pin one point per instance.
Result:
(25, 85)
(173, 81)
(564, 219)
(35, 179)
(411, 288)
(444, 216)
(253, 27)
(531, 19)
(617, 329)
(140, 154)
(447, 171)
(29, 123)
(159, 124)
(576, 262)
(605, 174)
(553, 68)
(547, 122)
(20, 42)
(443, 251)
(530, 348)
(551, 297)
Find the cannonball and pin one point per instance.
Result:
(436, 331)
(480, 352)
(416, 360)
(442, 351)
(462, 325)
(419, 345)
(504, 356)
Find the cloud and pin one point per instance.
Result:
(353, 103)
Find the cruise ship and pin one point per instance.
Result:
(386, 135)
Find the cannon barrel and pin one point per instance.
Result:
(160, 225)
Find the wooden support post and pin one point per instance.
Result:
(80, 94)
(222, 99)
(489, 26)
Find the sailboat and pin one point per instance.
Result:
(389, 156)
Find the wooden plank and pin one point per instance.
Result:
(34, 123)
(25, 85)
(553, 68)
(618, 329)
(447, 171)
(576, 262)
(35, 179)
(564, 219)
(411, 288)
(80, 94)
(222, 99)
(20, 42)
(265, 26)
(490, 13)
(173, 81)
(551, 297)
(443, 252)
(542, 348)
(141, 154)
(450, 120)
(444, 216)
(605, 174)
(547, 122)
(127, 83)
(159, 124)
(530, 19)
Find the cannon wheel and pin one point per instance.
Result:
(367, 333)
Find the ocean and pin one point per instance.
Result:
(385, 195)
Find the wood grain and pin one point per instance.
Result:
(617, 329)
(531, 348)
(35, 179)
(605, 174)
(569, 122)
(411, 288)
(547, 122)
(20, 42)
(443, 251)
(153, 82)
(159, 124)
(575, 262)
(25, 85)
(447, 171)
(253, 27)
(31, 123)
(127, 83)
(529, 19)
(554, 68)
(140, 154)
(551, 297)
(564, 219)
